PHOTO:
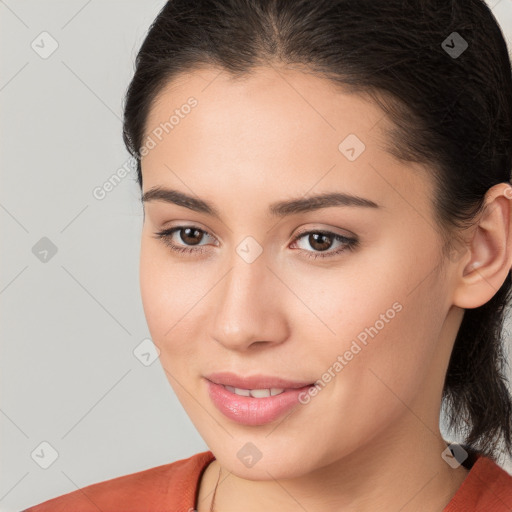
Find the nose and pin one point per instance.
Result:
(250, 307)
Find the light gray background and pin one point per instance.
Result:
(70, 324)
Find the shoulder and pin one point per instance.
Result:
(170, 487)
(486, 487)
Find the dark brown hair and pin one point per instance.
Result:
(450, 110)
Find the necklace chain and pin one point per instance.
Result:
(215, 491)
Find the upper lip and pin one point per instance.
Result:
(254, 381)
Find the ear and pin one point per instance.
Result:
(490, 249)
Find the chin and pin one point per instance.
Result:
(262, 459)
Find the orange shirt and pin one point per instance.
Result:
(173, 488)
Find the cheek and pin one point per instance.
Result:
(174, 296)
(372, 333)
(164, 292)
(375, 367)
(394, 351)
(166, 298)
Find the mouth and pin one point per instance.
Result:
(255, 400)
(255, 393)
(255, 382)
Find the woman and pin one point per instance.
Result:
(326, 253)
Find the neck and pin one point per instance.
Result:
(401, 470)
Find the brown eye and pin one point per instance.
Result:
(192, 235)
(319, 241)
(189, 240)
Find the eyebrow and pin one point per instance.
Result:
(278, 209)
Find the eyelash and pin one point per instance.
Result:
(350, 244)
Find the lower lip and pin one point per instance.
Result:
(248, 410)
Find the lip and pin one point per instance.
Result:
(247, 410)
(255, 381)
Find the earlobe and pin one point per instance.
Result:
(491, 251)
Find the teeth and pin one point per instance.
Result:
(260, 393)
(256, 393)
(238, 391)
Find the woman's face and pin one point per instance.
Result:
(371, 322)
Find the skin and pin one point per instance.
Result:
(370, 439)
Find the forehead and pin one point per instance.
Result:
(267, 99)
(285, 129)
